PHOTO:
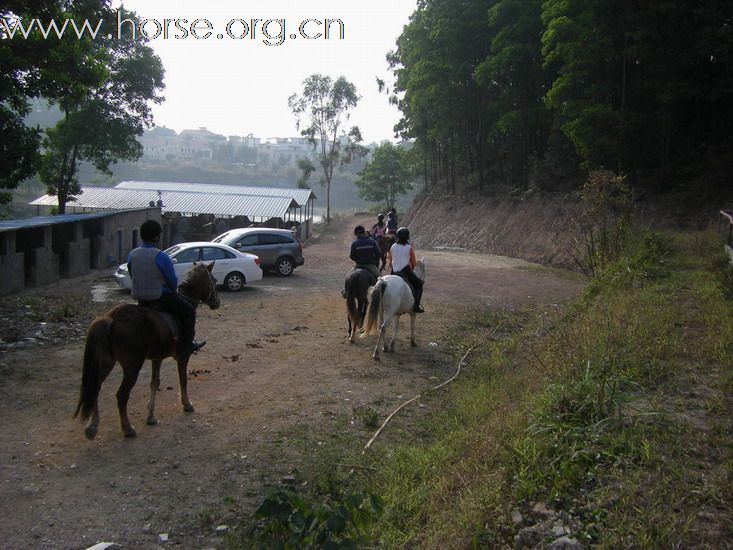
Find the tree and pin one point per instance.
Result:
(102, 119)
(385, 176)
(306, 168)
(324, 106)
(32, 66)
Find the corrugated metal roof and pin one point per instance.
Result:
(220, 205)
(41, 221)
(301, 196)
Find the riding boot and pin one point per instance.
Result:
(188, 325)
(417, 308)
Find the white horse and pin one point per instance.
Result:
(388, 300)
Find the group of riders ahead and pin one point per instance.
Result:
(155, 285)
(400, 256)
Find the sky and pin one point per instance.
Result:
(241, 85)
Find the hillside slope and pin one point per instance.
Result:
(538, 228)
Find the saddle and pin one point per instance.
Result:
(163, 321)
(409, 284)
(372, 278)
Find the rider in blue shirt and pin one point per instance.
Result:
(154, 283)
(365, 253)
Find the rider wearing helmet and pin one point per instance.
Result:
(154, 283)
(379, 229)
(402, 261)
(365, 253)
(391, 222)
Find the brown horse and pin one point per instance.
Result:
(384, 243)
(129, 334)
(357, 283)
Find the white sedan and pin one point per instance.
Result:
(232, 269)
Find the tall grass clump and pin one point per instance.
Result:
(614, 413)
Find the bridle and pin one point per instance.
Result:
(210, 299)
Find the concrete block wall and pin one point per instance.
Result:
(12, 268)
(46, 267)
(39, 255)
(78, 261)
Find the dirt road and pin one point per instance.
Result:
(278, 379)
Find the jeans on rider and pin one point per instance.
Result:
(407, 274)
(186, 313)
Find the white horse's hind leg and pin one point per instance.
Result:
(394, 334)
(380, 337)
(412, 330)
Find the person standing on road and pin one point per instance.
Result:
(402, 260)
(154, 283)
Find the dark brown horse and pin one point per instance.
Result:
(129, 334)
(358, 282)
(384, 243)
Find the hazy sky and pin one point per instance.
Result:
(241, 85)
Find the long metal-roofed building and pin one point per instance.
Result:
(304, 197)
(200, 211)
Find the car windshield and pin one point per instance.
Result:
(219, 238)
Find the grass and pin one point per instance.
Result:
(614, 413)
(610, 417)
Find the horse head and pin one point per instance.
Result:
(419, 270)
(200, 285)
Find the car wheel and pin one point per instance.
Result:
(234, 281)
(284, 267)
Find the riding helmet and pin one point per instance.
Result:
(380, 217)
(359, 229)
(150, 230)
(403, 234)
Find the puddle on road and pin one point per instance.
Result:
(102, 292)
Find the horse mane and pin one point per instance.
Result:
(193, 277)
(420, 269)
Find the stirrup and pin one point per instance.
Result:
(196, 346)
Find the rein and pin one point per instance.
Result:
(195, 303)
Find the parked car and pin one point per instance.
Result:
(232, 269)
(278, 249)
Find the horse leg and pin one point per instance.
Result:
(412, 330)
(90, 430)
(130, 370)
(154, 386)
(380, 339)
(183, 382)
(386, 324)
(394, 335)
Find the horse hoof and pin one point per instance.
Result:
(131, 432)
(188, 408)
(91, 433)
(413, 344)
(152, 421)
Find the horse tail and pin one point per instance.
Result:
(375, 303)
(96, 354)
